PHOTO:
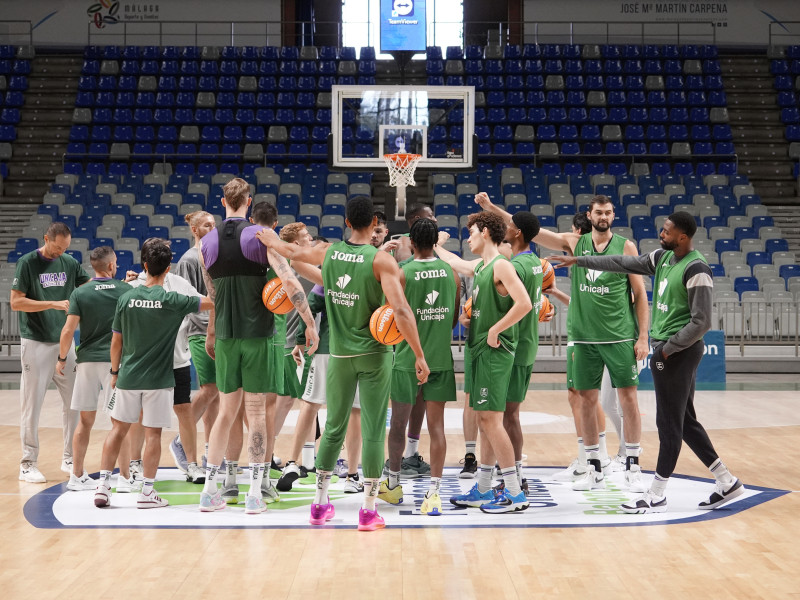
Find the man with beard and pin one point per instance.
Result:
(681, 315)
(605, 329)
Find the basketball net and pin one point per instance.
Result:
(401, 174)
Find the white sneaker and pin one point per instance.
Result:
(353, 486)
(722, 494)
(195, 474)
(571, 473)
(30, 473)
(619, 462)
(646, 503)
(126, 486)
(633, 480)
(66, 466)
(268, 492)
(607, 465)
(151, 500)
(82, 483)
(102, 495)
(590, 480)
(136, 468)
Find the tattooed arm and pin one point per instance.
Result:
(296, 295)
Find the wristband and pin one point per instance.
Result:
(62, 359)
(113, 372)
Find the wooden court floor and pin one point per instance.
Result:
(755, 426)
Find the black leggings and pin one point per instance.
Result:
(674, 381)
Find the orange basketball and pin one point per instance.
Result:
(468, 307)
(548, 275)
(275, 297)
(383, 328)
(546, 307)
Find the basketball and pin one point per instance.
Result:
(383, 328)
(468, 307)
(548, 275)
(275, 297)
(546, 306)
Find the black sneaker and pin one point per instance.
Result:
(291, 473)
(722, 495)
(470, 466)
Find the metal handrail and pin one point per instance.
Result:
(780, 34)
(23, 37)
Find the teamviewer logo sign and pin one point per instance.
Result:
(403, 8)
(343, 281)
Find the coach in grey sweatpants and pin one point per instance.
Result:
(43, 282)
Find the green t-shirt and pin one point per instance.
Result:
(529, 269)
(49, 281)
(352, 294)
(95, 303)
(671, 311)
(148, 319)
(601, 307)
(488, 307)
(431, 293)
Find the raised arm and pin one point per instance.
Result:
(296, 295)
(459, 265)
(505, 273)
(618, 263)
(642, 347)
(309, 272)
(486, 204)
(313, 255)
(388, 274)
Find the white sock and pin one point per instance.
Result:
(603, 449)
(323, 482)
(509, 476)
(307, 457)
(147, 485)
(230, 473)
(721, 473)
(659, 485)
(411, 447)
(371, 487)
(256, 476)
(434, 486)
(394, 480)
(518, 466)
(212, 472)
(485, 478)
(581, 452)
(471, 447)
(104, 479)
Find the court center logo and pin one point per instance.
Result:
(342, 281)
(103, 13)
(430, 299)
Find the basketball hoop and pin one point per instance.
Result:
(401, 168)
(401, 174)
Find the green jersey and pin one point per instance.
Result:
(351, 295)
(431, 292)
(48, 281)
(601, 308)
(488, 307)
(148, 319)
(529, 269)
(671, 310)
(95, 303)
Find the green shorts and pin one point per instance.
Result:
(467, 369)
(246, 364)
(589, 360)
(276, 370)
(440, 387)
(291, 384)
(203, 363)
(570, 367)
(491, 374)
(518, 383)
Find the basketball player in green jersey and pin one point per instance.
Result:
(499, 302)
(606, 329)
(432, 291)
(356, 276)
(681, 316)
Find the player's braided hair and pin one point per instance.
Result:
(424, 234)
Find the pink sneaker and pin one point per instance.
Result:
(320, 513)
(370, 520)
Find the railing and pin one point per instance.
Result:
(16, 33)
(330, 33)
(780, 34)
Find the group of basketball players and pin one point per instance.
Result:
(247, 371)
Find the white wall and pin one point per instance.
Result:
(738, 22)
(72, 22)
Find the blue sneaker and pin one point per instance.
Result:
(505, 502)
(179, 454)
(473, 498)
